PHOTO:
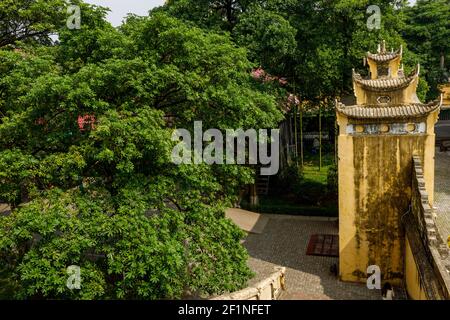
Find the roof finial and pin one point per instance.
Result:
(383, 46)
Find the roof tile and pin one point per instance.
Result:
(383, 112)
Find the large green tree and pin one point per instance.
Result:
(428, 32)
(85, 161)
(269, 38)
(215, 14)
(315, 43)
(30, 20)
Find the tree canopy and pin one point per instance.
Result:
(30, 20)
(85, 160)
(316, 43)
(428, 32)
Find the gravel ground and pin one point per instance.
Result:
(442, 193)
(284, 242)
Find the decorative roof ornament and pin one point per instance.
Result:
(383, 56)
(387, 94)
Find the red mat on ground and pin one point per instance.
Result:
(325, 245)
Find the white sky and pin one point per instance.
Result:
(120, 8)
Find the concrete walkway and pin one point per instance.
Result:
(284, 242)
(4, 209)
(246, 220)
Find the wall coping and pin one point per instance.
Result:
(267, 289)
(424, 227)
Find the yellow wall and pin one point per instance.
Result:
(405, 95)
(374, 192)
(445, 89)
(393, 66)
(412, 279)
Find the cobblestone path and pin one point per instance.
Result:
(284, 243)
(442, 193)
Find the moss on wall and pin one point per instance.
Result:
(382, 182)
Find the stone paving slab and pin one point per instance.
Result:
(283, 243)
(248, 221)
(4, 209)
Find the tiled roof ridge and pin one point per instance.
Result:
(383, 56)
(388, 83)
(388, 111)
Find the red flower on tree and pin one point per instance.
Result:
(293, 99)
(40, 121)
(261, 74)
(258, 73)
(88, 121)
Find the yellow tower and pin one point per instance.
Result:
(377, 140)
(445, 89)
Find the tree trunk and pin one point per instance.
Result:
(229, 10)
(301, 137)
(320, 137)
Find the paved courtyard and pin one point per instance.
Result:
(442, 193)
(284, 243)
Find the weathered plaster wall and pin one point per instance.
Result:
(270, 288)
(393, 66)
(445, 89)
(413, 282)
(374, 193)
(427, 270)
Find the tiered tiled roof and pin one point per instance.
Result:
(375, 106)
(383, 56)
(388, 56)
(414, 110)
(386, 84)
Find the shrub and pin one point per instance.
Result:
(291, 179)
(332, 180)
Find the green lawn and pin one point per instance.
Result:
(312, 201)
(281, 206)
(312, 171)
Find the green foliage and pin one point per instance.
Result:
(314, 43)
(428, 31)
(291, 178)
(332, 180)
(211, 14)
(30, 20)
(269, 38)
(282, 206)
(125, 251)
(105, 195)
